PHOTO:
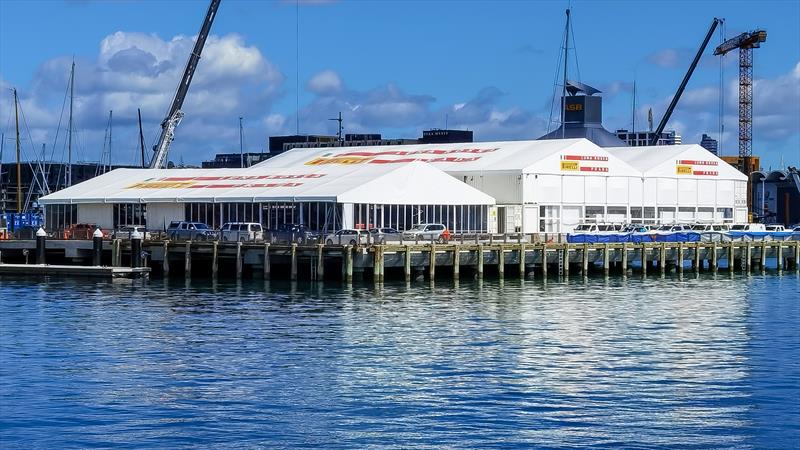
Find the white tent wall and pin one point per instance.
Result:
(686, 183)
(159, 215)
(99, 214)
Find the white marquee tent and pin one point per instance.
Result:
(552, 185)
(365, 194)
(528, 186)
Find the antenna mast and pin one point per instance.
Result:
(19, 169)
(241, 143)
(564, 84)
(339, 120)
(69, 145)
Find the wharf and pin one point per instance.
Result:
(408, 261)
(73, 271)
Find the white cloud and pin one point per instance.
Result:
(776, 114)
(326, 82)
(137, 70)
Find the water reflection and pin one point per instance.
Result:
(686, 361)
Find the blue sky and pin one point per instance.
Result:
(393, 67)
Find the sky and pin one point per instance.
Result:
(390, 67)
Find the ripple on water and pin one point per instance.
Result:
(708, 362)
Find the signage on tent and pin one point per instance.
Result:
(572, 163)
(686, 167)
(402, 156)
(569, 166)
(222, 182)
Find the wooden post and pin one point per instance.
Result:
(238, 260)
(697, 260)
(644, 258)
(565, 261)
(214, 262)
(377, 264)
(187, 262)
(348, 264)
(731, 265)
(480, 261)
(521, 261)
(165, 263)
(714, 264)
(407, 263)
(748, 257)
(293, 275)
(680, 258)
(456, 261)
(624, 257)
(797, 256)
(605, 260)
(115, 253)
(763, 256)
(320, 262)
(432, 262)
(662, 259)
(266, 262)
(780, 256)
(585, 255)
(544, 260)
(501, 262)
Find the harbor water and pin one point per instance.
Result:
(692, 362)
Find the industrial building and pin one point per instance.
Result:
(710, 144)
(776, 196)
(515, 186)
(644, 138)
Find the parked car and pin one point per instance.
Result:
(776, 228)
(666, 229)
(599, 228)
(428, 232)
(383, 235)
(241, 232)
(707, 227)
(291, 232)
(347, 236)
(190, 231)
(749, 227)
(83, 231)
(126, 232)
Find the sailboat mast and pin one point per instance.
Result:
(19, 164)
(69, 145)
(141, 135)
(564, 84)
(110, 129)
(241, 144)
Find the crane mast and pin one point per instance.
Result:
(745, 42)
(682, 87)
(174, 116)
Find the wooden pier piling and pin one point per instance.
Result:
(165, 262)
(267, 268)
(187, 259)
(238, 260)
(293, 274)
(215, 260)
(501, 262)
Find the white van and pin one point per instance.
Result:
(241, 232)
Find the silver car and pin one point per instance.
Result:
(383, 235)
(241, 232)
(428, 232)
(348, 236)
